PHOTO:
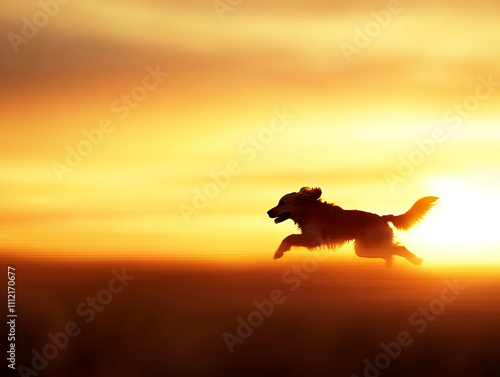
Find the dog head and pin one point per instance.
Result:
(292, 205)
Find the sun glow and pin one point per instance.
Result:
(463, 226)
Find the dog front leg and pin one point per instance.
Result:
(296, 240)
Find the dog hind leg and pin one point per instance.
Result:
(368, 250)
(405, 253)
(388, 261)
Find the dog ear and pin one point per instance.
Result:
(313, 193)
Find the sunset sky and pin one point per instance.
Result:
(264, 91)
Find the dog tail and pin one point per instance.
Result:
(414, 215)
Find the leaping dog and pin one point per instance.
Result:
(326, 224)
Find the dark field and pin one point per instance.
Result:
(170, 319)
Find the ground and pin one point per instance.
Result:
(174, 319)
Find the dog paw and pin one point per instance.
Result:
(416, 261)
(278, 254)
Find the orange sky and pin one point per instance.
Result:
(353, 123)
